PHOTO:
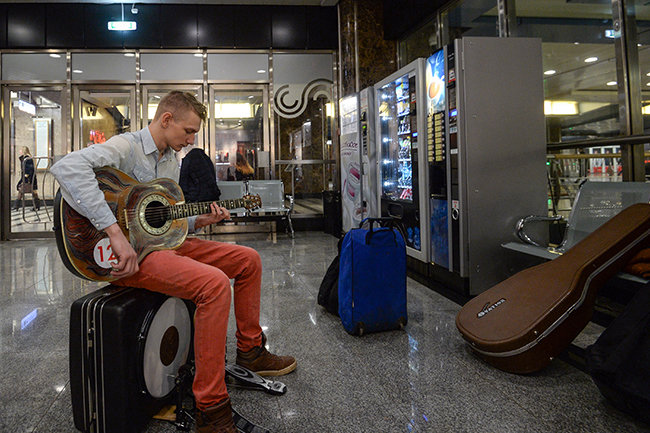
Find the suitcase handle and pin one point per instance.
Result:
(382, 222)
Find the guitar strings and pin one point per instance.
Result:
(165, 210)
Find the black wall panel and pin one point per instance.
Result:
(3, 26)
(96, 33)
(252, 27)
(149, 30)
(26, 25)
(322, 28)
(289, 27)
(216, 26)
(75, 25)
(179, 26)
(63, 29)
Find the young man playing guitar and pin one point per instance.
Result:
(200, 270)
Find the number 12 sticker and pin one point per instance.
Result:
(103, 254)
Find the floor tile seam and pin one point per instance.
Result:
(46, 411)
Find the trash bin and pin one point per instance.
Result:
(332, 223)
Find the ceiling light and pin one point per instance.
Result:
(591, 59)
(55, 55)
(647, 84)
(141, 70)
(576, 43)
(261, 71)
(77, 71)
(129, 54)
(550, 72)
(251, 97)
(198, 54)
(611, 83)
(560, 108)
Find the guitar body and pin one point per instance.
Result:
(522, 323)
(85, 249)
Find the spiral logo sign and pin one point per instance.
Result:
(292, 99)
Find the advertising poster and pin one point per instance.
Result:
(350, 167)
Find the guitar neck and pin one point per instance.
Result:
(190, 209)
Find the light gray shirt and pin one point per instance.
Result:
(134, 153)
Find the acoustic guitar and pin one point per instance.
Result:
(151, 216)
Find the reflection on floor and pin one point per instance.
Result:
(423, 379)
(29, 219)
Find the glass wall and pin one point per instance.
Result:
(73, 99)
(304, 121)
(580, 73)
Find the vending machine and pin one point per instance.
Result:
(485, 154)
(358, 159)
(402, 157)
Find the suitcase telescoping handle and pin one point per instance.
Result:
(382, 222)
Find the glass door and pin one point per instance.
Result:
(239, 131)
(101, 112)
(151, 95)
(33, 137)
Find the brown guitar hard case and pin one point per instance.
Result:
(520, 324)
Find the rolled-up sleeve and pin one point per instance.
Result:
(79, 187)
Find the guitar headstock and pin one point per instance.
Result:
(252, 202)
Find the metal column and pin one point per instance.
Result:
(629, 87)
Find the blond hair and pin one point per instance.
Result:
(26, 151)
(177, 102)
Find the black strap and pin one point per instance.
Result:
(384, 222)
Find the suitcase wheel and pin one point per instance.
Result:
(360, 329)
(402, 322)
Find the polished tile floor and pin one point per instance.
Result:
(422, 379)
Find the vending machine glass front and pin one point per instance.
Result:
(395, 135)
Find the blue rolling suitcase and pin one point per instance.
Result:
(372, 278)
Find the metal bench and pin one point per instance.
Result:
(595, 203)
(271, 192)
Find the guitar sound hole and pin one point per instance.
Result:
(156, 214)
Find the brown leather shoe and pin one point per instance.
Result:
(216, 419)
(264, 363)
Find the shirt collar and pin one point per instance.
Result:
(149, 146)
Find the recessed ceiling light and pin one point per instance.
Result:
(611, 83)
(251, 97)
(550, 72)
(129, 54)
(647, 84)
(77, 71)
(261, 71)
(576, 43)
(591, 59)
(55, 55)
(198, 54)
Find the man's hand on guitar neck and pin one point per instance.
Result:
(217, 214)
(127, 259)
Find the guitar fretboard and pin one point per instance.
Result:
(190, 209)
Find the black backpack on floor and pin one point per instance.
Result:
(328, 293)
(619, 361)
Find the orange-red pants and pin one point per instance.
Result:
(201, 270)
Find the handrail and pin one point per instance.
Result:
(613, 141)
